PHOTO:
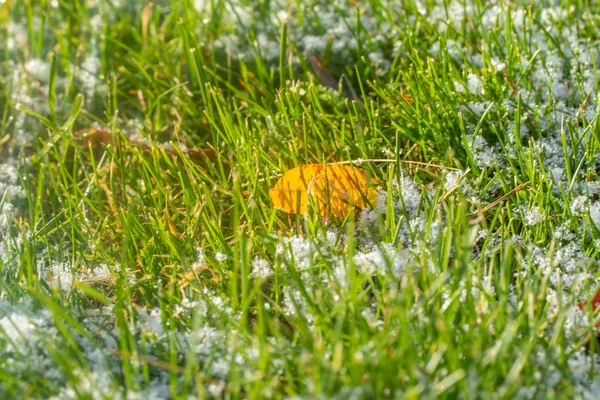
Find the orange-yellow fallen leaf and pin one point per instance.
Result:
(334, 189)
(290, 193)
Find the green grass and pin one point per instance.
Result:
(127, 273)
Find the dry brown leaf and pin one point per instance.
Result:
(146, 20)
(94, 138)
(4, 139)
(335, 189)
(595, 305)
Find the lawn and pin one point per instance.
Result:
(142, 255)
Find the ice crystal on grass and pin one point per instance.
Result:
(151, 321)
(485, 155)
(452, 179)
(88, 75)
(295, 305)
(297, 250)
(10, 187)
(533, 216)
(409, 196)
(333, 31)
(24, 339)
(220, 257)
(458, 87)
(200, 259)
(580, 365)
(20, 330)
(59, 275)
(371, 318)
(382, 65)
(6, 214)
(95, 385)
(474, 84)
(261, 269)
(579, 205)
(564, 232)
(367, 219)
(498, 65)
(595, 214)
(40, 70)
(384, 259)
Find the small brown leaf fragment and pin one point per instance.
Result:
(94, 137)
(325, 76)
(195, 154)
(595, 305)
(170, 223)
(146, 13)
(4, 139)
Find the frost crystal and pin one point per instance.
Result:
(579, 205)
(261, 269)
(474, 84)
(452, 179)
(296, 249)
(200, 259)
(220, 256)
(595, 214)
(533, 216)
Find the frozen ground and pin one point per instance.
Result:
(110, 291)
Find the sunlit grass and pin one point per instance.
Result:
(132, 269)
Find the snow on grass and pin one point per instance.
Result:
(533, 216)
(261, 269)
(413, 269)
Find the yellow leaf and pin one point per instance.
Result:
(290, 193)
(335, 189)
(340, 189)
